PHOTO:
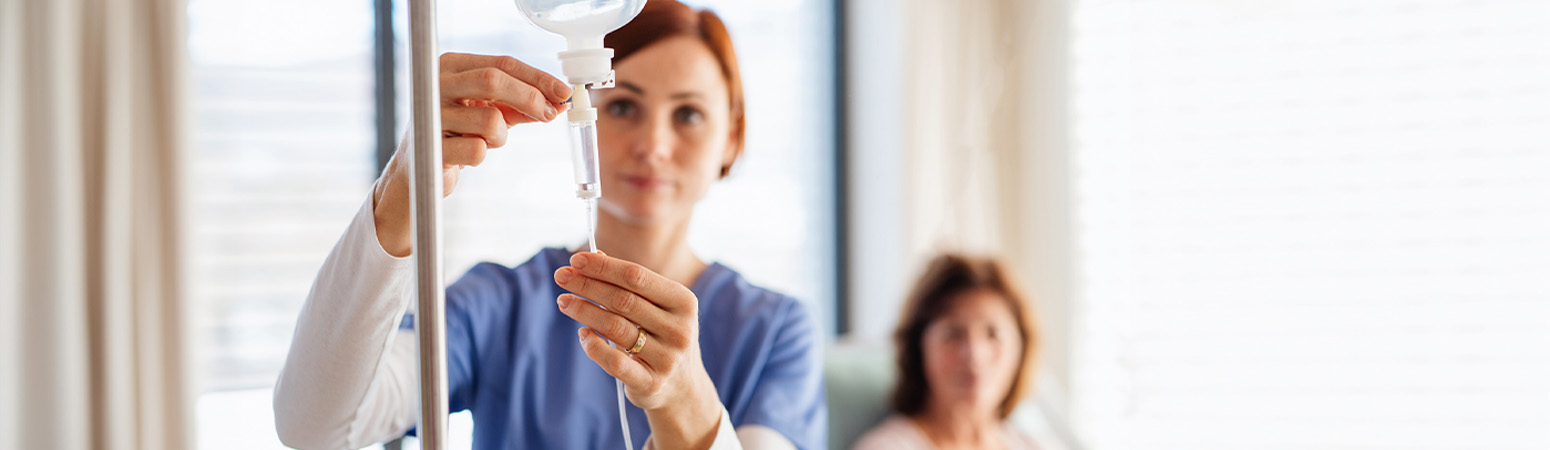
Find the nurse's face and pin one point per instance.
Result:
(664, 131)
(972, 352)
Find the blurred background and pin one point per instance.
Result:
(1276, 224)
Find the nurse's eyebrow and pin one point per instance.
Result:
(638, 91)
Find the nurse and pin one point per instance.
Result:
(708, 360)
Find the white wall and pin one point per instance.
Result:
(879, 265)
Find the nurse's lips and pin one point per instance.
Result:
(646, 183)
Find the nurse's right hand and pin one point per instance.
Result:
(481, 98)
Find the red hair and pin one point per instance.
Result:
(662, 19)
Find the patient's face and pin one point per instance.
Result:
(972, 351)
(664, 133)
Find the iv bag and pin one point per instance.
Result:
(581, 21)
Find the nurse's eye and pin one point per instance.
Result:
(688, 116)
(621, 108)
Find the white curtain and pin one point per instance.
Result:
(983, 142)
(961, 125)
(93, 328)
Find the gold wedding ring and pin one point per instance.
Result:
(640, 341)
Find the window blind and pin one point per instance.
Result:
(281, 160)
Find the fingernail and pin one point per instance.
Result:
(582, 334)
(563, 275)
(578, 260)
(563, 301)
(552, 112)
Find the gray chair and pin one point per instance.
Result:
(858, 377)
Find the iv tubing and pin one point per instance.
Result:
(624, 422)
(585, 160)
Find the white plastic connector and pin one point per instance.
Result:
(587, 65)
(581, 109)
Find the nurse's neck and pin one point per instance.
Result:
(661, 247)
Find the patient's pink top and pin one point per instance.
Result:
(900, 433)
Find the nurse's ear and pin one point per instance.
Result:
(734, 147)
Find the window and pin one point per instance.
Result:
(1313, 224)
(281, 159)
(284, 155)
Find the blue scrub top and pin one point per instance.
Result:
(513, 360)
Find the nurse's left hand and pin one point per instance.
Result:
(666, 378)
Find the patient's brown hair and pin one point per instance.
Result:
(945, 278)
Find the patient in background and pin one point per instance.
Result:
(966, 345)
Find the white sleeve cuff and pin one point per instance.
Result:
(726, 438)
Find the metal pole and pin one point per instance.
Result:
(425, 196)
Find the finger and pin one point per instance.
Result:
(512, 116)
(485, 122)
(613, 327)
(507, 109)
(630, 305)
(449, 176)
(491, 84)
(632, 371)
(666, 293)
(554, 90)
(462, 151)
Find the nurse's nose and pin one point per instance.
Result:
(655, 141)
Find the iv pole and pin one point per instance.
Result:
(425, 199)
